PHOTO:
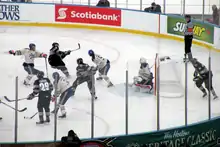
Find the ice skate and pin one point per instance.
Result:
(0, 118)
(215, 97)
(110, 84)
(63, 115)
(204, 95)
(95, 97)
(47, 119)
(26, 83)
(41, 120)
(99, 78)
(185, 60)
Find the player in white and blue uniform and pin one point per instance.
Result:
(145, 76)
(29, 54)
(103, 65)
(64, 91)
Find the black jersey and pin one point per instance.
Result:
(200, 70)
(43, 86)
(84, 70)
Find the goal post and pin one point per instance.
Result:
(168, 72)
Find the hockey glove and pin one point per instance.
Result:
(53, 98)
(30, 96)
(197, 78)
(68, 52)
(43, 55)
(11, 52)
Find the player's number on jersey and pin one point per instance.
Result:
(31, 56)
(44, 86)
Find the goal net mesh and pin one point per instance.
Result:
(169, 74)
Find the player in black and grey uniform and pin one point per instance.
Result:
(43, 87)
(201, 75)
(188, 37)
(85, 73)
(56, 58)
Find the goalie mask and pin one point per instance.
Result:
(143, 62)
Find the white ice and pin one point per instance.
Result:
(122, 49)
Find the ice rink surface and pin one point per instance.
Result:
(123, 50)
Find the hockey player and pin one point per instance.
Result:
(56, 58)
(201, 75)
(43, 87)
(85, 73)
(145, 76)
(30, 54)
(103, 66)
(64, 90)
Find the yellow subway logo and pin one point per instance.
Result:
(197, 30)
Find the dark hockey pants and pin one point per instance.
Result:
(206, 82)
(80, 80)
(188, 44)
(31, 70)
(62, 68)
(43, 104)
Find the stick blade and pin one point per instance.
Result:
(22, 110)
(79, 45)
(7, 99)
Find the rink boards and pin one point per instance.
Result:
(119, 20)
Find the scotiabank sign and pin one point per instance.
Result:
(85, 14)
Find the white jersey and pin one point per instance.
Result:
(144, 73)
(100, 61)
(62, 85)
(29, 55)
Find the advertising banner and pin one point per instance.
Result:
(9, 12)
(88, 15)
(202, 31)
(201, 135)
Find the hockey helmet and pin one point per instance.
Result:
(79, 61)
(143, 60)
(188, 16)
(40, 75)
(91, 52)
(32, 46)
(56, 75)
(55, 44)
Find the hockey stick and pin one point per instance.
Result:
(46, 67)
(79, 47)
(7, 99)
(22, 110)
(26, 117)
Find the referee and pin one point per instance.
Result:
(188, 37)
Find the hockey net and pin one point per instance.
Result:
(168, 74)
